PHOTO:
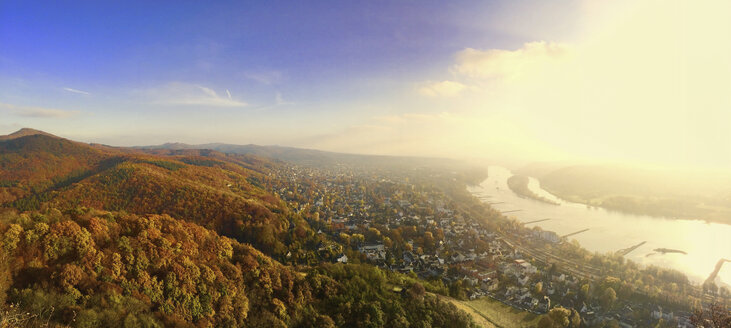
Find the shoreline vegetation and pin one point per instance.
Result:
(663, 251)
(668, 250)
(519, 185)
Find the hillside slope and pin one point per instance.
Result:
(215, 191)
(96, 268)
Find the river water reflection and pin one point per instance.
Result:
(609, 231)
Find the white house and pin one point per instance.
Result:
(657, 314)
(523, 280)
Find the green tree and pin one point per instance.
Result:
(609, 296)
(559, 316)
(585, 291)
(11, 238)
(575, 319)
(538, 288)
(417, 291)
(545, 322)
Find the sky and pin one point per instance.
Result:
(645, 81)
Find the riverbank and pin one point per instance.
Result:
(613, 231)
(568, 267)
(519, 185)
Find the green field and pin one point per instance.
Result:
(502, 315)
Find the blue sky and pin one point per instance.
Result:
(458, 79)
(103, 44)
(128, 42)
(297, 60)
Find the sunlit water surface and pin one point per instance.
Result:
(610, 231)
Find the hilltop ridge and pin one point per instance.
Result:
(25, 132)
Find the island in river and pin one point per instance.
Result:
(519, 185)
(671, 193)
(668, 250)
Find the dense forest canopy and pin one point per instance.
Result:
(89, 268)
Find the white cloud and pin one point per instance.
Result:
(38, 112)
(441, 89)
(185, 94)
(77, 91)
(650, 81)
(510, 64)
(265, 77)
(209, 92)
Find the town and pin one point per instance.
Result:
(419, 222)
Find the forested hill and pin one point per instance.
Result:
(24, 132)
(216, 191)
(93, 235)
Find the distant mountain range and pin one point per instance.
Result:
(306, 156)
(276, 152)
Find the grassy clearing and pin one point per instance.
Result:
(479, 318)
(501, 315)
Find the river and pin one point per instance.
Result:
(609, 231)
